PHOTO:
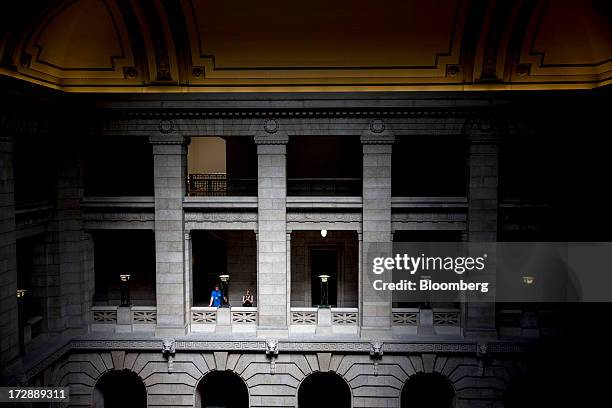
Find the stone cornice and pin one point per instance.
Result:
(153, 345)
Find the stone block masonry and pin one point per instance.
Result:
(170, 163)
(377, 143)
(273, 298)
(9, 336)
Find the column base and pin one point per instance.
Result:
(376, 333)
(272, 332)
(485, 334)
(170, 331)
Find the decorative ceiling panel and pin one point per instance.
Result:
(319, 45)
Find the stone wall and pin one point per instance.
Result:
(373, 383)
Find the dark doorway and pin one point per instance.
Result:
(209, 261)
(222, 389)
(120, 388)
(321, 390)
(124, 252)
(428, 390)
(324, 261)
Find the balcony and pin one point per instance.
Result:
(324, 321)
(347, 187)
(223, 319)
(217, 184)
(115, 319)
(438, 321)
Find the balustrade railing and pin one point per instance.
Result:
(218, 184)
(348, 187)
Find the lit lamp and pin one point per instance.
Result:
(528, 280)
(324, 290)
(125, 289)
(225, 288)
(323, 233)
(21, 318)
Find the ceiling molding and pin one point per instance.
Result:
(277, 46)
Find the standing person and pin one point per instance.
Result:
(247, 299)
(216, 297)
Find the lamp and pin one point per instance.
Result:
(324, 290)
(125, 289)
(528, 280)
(225, 288)
(21, 293)
(323, 233)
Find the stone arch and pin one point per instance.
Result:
(431, 390)
(324, 389)
(119, 388)
(223, 388)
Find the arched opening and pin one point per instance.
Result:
(428, 390)
(120, 388)
(222, 389)
(324, 390)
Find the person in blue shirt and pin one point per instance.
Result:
(216, 297)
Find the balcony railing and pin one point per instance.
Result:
(217, 184)
(324, 321)
(223, 320)
(348, 187)
(134, 319)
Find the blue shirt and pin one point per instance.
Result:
(216, 296)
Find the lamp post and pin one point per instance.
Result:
(125, 289)
(225, 289)
(21, 318)
(324, 290)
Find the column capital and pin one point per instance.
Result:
(271, 139)
(483, 130)
(377, 132)
(169, 139)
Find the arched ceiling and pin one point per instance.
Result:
(319, 45)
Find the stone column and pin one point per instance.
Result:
(170, 164)
(188, 277)
(9, 330)
(483, 162)
(272, 271)
(288, 278)
(71, 270)
(376, 307)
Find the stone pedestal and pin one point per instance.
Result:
(124, 319)
(170, 164)
(324, 321)
(426, 327)
(224, 320)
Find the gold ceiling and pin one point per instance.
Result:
(316, 45)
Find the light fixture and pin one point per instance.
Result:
(125, 289)
(225, 289)
(324, 291)
(21, 293)
(323, 233)
(528, 280)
